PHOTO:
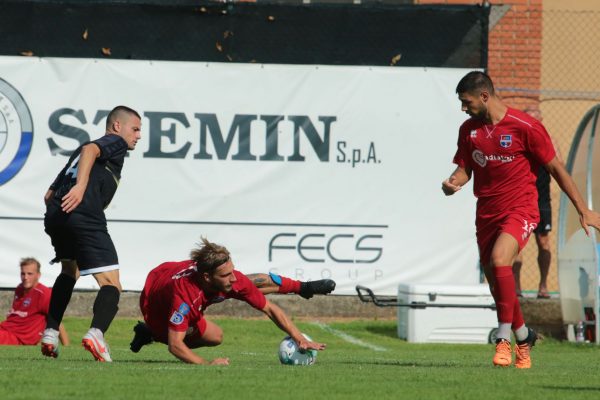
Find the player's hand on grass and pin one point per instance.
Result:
(589, 218)
(449, 188)
(219, 361)
(308, 345)
(71, 200)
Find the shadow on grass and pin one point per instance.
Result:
(388, 330)
(397, 363)
(150, 361)
(575, 388)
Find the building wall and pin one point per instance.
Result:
(545, 52)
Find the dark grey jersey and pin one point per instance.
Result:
(104, 176)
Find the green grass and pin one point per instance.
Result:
(343, 371)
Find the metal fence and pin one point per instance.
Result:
(570, 87)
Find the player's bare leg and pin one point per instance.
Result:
(60, 298)
(212, 336)
(274, 283)
(544, 258)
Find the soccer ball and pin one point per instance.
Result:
(290, 354)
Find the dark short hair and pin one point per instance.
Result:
(118, 111)
(474, 82)
(30, 260)
(209, 256)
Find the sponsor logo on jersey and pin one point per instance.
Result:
(474, 133)
(500, 157)
(21, 314)
(184, 309)
(16, 132)
(505, 140)
(176, 318)
(479, 158)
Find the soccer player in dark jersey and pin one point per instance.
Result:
(76, 224)
(542, 231)
(503, 148)
(26, 318)
(176, 294)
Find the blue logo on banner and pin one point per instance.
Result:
(16, 131)
(505, 140)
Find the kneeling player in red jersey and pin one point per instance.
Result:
(176, 294)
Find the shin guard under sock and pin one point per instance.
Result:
(59, 300)
(286, 285)
(504, 290)
(105, 307)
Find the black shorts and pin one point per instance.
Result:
(545, 224)
(76, 238)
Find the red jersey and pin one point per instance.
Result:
(173, 299)
(504, 159)
(26, 319)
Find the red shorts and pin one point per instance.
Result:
(518, 225)
(159, 324)
(8, 338)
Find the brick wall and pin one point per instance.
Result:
(515, 48)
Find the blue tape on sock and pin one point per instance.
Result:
(276, 278)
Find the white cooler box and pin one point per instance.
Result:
(446, 325)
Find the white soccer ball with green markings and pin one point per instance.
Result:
(290, 354)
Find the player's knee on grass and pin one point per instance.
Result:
(207, 334)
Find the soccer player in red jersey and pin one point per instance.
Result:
(26, 318)
(176, 294)
(503, 148)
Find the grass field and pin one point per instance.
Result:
(379, 367)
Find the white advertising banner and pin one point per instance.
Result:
(308, 171)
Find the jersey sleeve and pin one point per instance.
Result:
(111, 146)
(539, 144)
(246, 290)
(461, 158)
(179, 319)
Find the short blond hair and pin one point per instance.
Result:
(30, 260)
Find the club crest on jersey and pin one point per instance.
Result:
(505, 140)
(474, 133)
(176, 318)
(27, 302)
(479, 158)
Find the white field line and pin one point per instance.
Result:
(348, 338)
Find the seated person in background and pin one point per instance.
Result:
(26, 319)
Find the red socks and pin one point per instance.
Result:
(507, 305)
(289, 285)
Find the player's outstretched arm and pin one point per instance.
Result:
(285, 324)
(456, 181)
(264, 283)
(180, 350)
(587, 217)
(88, 156)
